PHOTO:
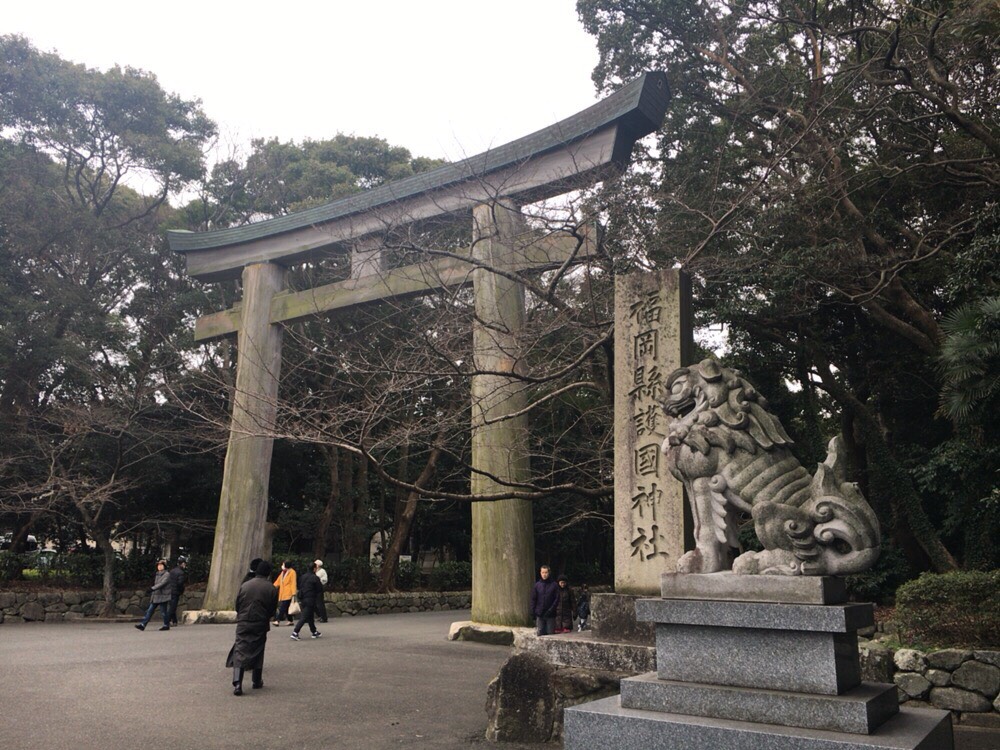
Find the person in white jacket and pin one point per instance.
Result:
(323, 578)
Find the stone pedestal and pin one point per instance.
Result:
(745, 663)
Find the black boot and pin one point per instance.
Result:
(237, 681)
(258, 679)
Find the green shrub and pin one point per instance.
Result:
(408, 576)
(950, 609)
(86, 569)
(197, 569)
(354, 574)
(11, 565)
(450, 576)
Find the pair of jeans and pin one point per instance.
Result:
(283, 611)
(306, 618)
(164, 606)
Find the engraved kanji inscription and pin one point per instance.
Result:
(647, 344)
(647, 459)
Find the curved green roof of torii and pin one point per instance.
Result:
(635, 110)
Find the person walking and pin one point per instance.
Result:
(255, 606)
(177, 578)
(323, 579)
(544, 596)
(287, 586)
(159, 596)
(310, 591)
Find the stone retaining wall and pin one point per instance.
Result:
(404, 601)
(963, 681)
(63, 606)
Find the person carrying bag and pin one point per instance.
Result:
(287, 586)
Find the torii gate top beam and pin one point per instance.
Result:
(579, 150)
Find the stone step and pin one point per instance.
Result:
(604, 724)
(859, 711)
(586, 651)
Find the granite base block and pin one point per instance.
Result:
(605, 724)
(834, 618)
(728, 586)
(825, 663)
(859, 711)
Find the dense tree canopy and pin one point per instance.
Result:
(830, 172)
(91, 318)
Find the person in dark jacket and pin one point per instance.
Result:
(544, 596)
(564, 606)
(159, 596)
(310, 593)
(255, 606)
(323, 579)
(177, 587)
(252, 573)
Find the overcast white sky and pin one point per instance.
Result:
(444, 78)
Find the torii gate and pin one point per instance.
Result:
(590, 146)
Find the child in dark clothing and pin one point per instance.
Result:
(583, 607)
(564, 607)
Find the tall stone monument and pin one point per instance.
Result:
(652, 338)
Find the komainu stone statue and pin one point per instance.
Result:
(734, 457)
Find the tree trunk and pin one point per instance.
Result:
(362, 504)
(110, 593)
(887, 478)
(326, 519)
(403, 524)
(20, 539)
(346, 516)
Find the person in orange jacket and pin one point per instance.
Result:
(287, 586)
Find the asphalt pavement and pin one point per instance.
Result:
(386, 681)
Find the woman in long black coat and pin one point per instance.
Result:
(255, 606)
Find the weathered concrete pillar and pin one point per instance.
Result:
(239, 531)
(652, 338)
(503, 546)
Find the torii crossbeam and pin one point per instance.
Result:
(588, 147)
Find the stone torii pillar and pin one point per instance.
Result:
(502, 530)
(239, 531)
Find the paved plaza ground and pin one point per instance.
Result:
(390, 681)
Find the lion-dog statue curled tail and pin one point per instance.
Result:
(733, 457)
